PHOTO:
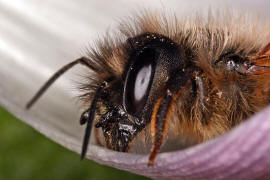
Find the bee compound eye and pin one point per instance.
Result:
(138, 81)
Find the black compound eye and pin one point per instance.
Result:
(138, 81)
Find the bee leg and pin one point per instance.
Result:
(159, 122)
(265, 51)
(260, 63)
(257, 70)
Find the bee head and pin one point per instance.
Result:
(163, 76)
(166, 80)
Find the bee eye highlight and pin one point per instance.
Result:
(142, 82)
(138, 81)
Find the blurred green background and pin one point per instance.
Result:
(25, 154)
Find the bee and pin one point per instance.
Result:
(163, 83)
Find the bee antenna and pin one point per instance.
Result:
(83, 60)
(88, 117)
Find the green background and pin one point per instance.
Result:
(26, 154)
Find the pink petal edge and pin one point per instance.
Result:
(240, 154)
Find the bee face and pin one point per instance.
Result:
(174, 82)
(154, 73)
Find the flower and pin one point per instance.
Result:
(38, 38)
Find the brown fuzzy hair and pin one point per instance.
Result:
(227, 98)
